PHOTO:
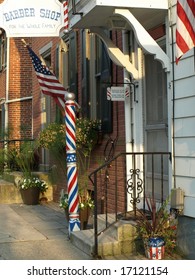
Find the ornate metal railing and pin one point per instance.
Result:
(123, 183)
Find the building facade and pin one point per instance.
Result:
(111, 45)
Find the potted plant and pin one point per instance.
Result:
(30, 189)
(87, 134)
(156, 228)
(53, 139)
(86, 204)
(30, 186)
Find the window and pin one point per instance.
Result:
(3, 50)
(73, 74)
(103, 80)
(45, 99)
(61, 71)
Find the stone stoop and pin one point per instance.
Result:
(118, 239)
(9, 193)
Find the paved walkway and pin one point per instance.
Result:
(40, 232)
(35, 232)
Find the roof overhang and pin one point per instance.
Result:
(100, 13)
(139, 16)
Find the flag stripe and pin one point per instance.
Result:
(186, 21)
(185, 27)
(66, 23)
(48, 82)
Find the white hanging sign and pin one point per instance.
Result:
(32, 18)
(117, 93)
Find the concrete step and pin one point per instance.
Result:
(118, 239)
(9, 193)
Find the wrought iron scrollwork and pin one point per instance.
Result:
(134, 186)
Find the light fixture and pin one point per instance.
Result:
(116, 23)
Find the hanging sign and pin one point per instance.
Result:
(117, 93)
(32, 18)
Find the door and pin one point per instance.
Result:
(156, 127)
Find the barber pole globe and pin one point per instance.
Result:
(72, 173)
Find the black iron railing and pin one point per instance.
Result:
(123, 183)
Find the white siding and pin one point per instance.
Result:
(184, 124)
(185, 107)
(182, 86)
(185, 147)
(184, 127)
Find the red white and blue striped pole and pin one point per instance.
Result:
(66, 21)
(72, 173)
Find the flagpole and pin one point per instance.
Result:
(72, 173)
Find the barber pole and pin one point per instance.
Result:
(72, 173)
(66, 21)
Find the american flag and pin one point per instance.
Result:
(185, 27)
(48, 82)
(65, 9)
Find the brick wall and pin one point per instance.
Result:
(25, 116)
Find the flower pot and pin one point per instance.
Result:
(30, 196)
(83, 216)
(154, 248)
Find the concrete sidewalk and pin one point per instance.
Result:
(40, 232)
(37, 232)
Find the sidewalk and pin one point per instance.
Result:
(37, 232)
(40, 232)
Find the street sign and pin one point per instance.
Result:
(32, 18)
(117, 93)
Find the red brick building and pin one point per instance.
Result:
(81, 63)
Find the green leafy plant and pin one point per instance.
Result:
(22, 157)
(157, 222)
(32, 182)
(53, 138)
(84, 201)
(87, 132)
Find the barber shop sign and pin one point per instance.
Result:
(32, 18)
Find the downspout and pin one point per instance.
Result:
(7, 86)
(128, 126)
(173, 121)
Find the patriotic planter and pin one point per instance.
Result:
(156, 226)
(155, 248)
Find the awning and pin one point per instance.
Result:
(139, 16)
(100, 13)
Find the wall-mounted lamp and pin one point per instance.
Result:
(116, 23)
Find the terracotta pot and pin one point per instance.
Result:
(30, 196)
(83, 216)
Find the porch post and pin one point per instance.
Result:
(72, 173)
